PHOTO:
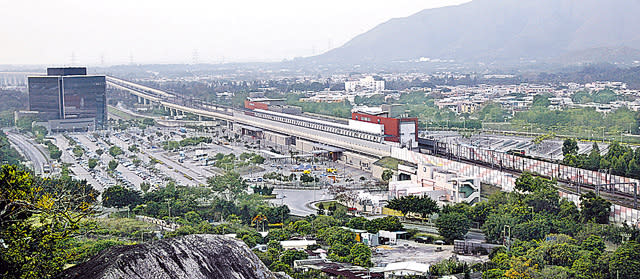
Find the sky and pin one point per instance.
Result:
(110, 32)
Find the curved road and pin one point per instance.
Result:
(30, 150)
(297, 200)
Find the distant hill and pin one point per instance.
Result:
(503, 31)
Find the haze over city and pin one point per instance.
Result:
(120, 31)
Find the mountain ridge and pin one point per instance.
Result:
(489, 31)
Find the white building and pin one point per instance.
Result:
(367, 83)
(402, 269)
(438, 184)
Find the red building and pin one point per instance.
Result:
(400, 130)
(255, 105)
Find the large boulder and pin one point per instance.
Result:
(191, 256)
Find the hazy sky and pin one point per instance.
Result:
(116, 31)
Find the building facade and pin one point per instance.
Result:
(399, 129)
(67, 94)
(364, 84)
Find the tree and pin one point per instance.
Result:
(278, 235)
(230, 185)
(494, 226)
(453, 226)
(305, 178)
(593, 161)
(336, 235)
(301, 227)
(594, 208)
(115, 151)
(119, 196)
(274, 244)
(593, 243)
(359, 223)
(37, 218)
(279, 266)
(590, 266)
(113, 164)
(148, 122)
(192, 218)
(541, 101)
(133, 148)
(569, 146)
(78, 151)
(625, 261)
(534, 229)
(92, 163)
(145, 186)
(421, 205)
(289, 256)
(521, 268)
(360, 255)
(99, 152)
(527, 182)
(633, 169)
(387, 175)
(388, 223)
(323, 221)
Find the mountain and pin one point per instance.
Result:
(502, 31)
(191, 256)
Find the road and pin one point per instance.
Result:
(30, 150)
(298, 200)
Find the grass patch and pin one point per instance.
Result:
(121, 114)
(328, 204)
(119, 227)
(388, 162)
(487, 190)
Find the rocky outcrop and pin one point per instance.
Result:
(192, 256)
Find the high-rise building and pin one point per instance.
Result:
(69, 94)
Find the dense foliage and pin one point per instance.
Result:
(620, 159)
(37, 217)
(420, 205)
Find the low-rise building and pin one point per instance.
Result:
(335, 269)
(297, 244)
(367, 83)
(438, 184)
(402, 269)
(397, 127)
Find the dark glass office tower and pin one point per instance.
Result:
(68, 93)
(44, 97)
(67, 71)
(84, 97)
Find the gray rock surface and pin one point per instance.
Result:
(192, 256)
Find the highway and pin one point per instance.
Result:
(30, 150)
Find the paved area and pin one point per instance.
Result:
(298, 200)
(408, 250)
